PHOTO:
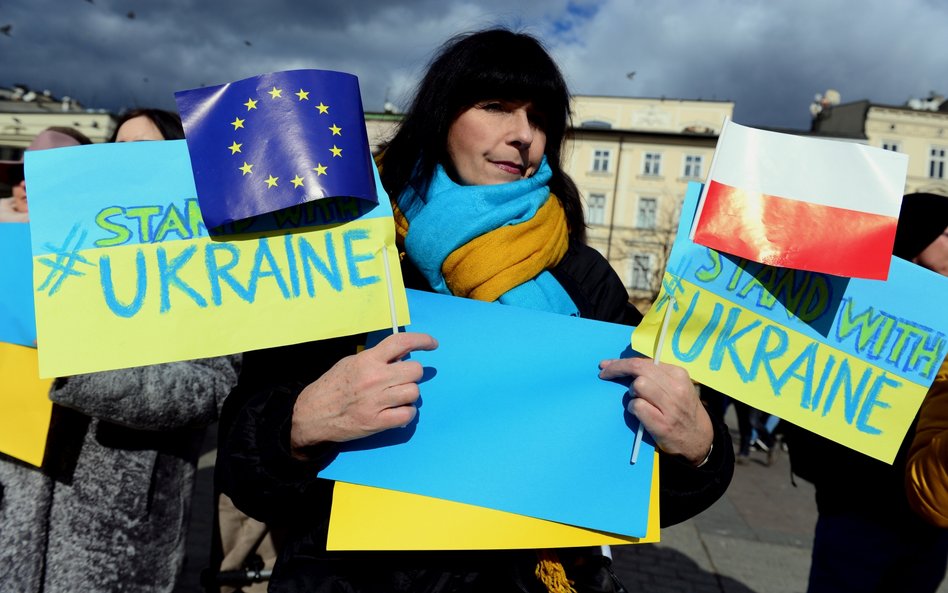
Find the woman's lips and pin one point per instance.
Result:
(510, 167)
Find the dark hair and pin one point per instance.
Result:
(167, 122)
(922, 220)
(71, 132)
(469, 68)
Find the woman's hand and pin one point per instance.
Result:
(666, 402)
(361, 394)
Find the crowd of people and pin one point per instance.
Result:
(482, 207)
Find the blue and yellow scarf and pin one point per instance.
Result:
(488, 242)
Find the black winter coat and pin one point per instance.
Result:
(256, 470)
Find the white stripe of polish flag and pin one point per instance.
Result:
(806, 203)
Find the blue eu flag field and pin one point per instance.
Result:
(277, 140)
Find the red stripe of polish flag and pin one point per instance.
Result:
(805, 203)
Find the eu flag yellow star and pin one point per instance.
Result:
(235, 148)
(336, 130)
(322, 108)
(271, 181)
(297, 181)
(247, 168)
(335, 150)
(250, 104)
(275, 93)
(237, 123)
(320, 169)
(303, 95)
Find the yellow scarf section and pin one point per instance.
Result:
(490, 265)
(493, 263)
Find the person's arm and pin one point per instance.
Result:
(696, 456)
(926, 471)
(279, 436)
(686, 429)
(157, 397)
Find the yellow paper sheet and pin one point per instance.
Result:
(213, 298)
(366, 518)
(820, 388)
(25, 408)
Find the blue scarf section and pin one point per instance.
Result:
(448, 216)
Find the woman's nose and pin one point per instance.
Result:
(521, 131)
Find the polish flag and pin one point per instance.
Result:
(798, 202)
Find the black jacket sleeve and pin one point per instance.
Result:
(254, 465)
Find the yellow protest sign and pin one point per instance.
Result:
(367, 518)
(25, 404)
(849, 359)
(126, 274)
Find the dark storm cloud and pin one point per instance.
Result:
(95, 53)
(769, 58)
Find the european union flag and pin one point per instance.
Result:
(277, 140)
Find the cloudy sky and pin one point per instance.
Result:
(769, 57)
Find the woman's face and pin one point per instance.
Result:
(496, 142)
(138, 128)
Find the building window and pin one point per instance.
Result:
(601, 159)
(653, 164)
(936, 164)
(641, 272)
(647, 210)
(693, 166)
(890, 145)
(596, 209)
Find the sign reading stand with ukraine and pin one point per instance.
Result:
(125, 273)
(848, 358)
(274, 141)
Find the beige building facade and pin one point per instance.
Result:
(25, 113)
(918, 129)
(633, 159)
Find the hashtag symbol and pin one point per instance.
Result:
(64, 262)
(671, 284)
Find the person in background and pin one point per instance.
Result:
(108, 510)
(147, 124)
(16, 208)
(477, 186)
(926, 473)
(867, 539)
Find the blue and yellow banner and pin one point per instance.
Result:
(125, 273)
(26, 407)
(535, 433)
(847, 358)
(17, 319)
(367, 518)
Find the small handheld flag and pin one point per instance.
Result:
(806, 203)
(276, 140)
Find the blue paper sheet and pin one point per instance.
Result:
(513, 416)
(17, 317)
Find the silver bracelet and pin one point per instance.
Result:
(706, 457)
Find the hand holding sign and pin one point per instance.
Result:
(666, 403)
(362, 394)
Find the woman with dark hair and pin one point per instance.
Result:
(148, 124)
(483, 210)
